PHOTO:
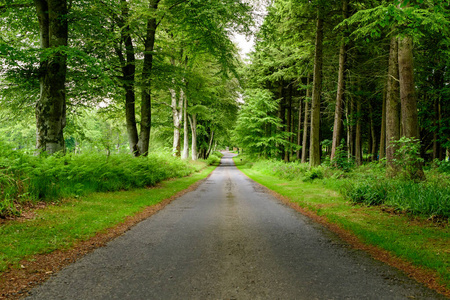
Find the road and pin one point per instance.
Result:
(229, 240)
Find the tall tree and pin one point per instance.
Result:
(51, 107)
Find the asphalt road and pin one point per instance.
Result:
(229, 240)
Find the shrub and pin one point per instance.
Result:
(29, 178)
(369, 192)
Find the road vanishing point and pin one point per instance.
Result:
(229, 239)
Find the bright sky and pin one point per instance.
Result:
(244, 44)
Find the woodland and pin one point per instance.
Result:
(114, 94)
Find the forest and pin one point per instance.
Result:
(103, 90)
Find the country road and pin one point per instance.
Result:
(229, 239)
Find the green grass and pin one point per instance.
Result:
(423, 243)
(62, 225)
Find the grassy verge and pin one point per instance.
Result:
(424, 244)
(61, 226)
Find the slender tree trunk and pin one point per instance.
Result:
(373, 148)
(51, 106)
(358, 134)
(193, 122)
(408, 99)
(337, 127)
(305, 126)
(350, 109)
(185, 154)
(314, 152)
(382, 152)
(146, 85)
(288, 123)
(299, 128)
(177, 116)
(392, 107)
(211, 139)
(281, 115)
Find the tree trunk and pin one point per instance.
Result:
(382, 152)
(305, 126)
(211, 139)
(193, 122)
(358, 134)
(373, 148)
(299, 128)
(314, 152)
(185, 154)
(288, 123)
(408, 99)
(177, 116)
(128, 73)
(51, 106)
(392, 107)
(337, 127)
(281, 115)
(146, 84)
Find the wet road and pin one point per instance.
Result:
(229, 240)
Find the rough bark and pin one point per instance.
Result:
(128, 75)
(408, 98)
(382, 152)
(305, 126)
(337, 127)
(146, 101)
(193, 123)
(392, 105)
(288, 123)
(314, 152)
(299, 128)
(358, 134)
(281, 115)
(177, 116)
(185, 153)
(51, 106)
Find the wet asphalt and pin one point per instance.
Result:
(229, 239)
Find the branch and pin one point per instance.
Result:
(16, 5)
(173, 6)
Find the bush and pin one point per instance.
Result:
(369, 192)
(29, 178)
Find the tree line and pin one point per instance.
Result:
(174, 58)
(353, 76)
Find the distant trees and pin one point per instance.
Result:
(380, 80)
(123, 58)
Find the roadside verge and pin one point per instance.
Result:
(48, 239)
(417, 247)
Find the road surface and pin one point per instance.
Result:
(229, 240)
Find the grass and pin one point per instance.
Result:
(422, 243)
(61, 226)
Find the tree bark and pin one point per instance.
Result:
(314, 152)
(382, 152)
(358, 134)
(299, 128)
(128, 63)
(177, 116)
(408, 99)
(211, 139)
(51, 106)
(146, 100)
(392, 106)
(288, 123)
(185, 154)
(305, 126)
(337, 127)
(193, 122)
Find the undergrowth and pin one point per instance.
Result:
(368, 184)
(26, 178)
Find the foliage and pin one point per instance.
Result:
(407, 157)
(29, 178)
(341, 160)
(255, 116)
